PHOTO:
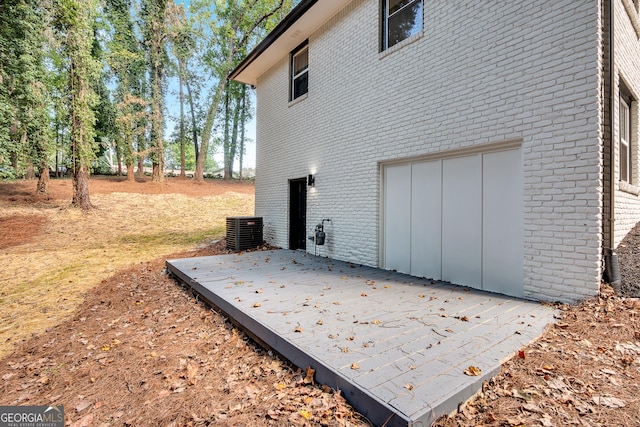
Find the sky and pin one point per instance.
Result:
(172, 105)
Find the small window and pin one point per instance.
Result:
(625, 156)
(400, 20)
(299, 71)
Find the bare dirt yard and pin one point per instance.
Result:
(90, 320)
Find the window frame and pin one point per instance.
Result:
(384, 22)
(625, 140)
(295, 77)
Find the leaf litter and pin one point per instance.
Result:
(582, 371)
(178, 363)
(139, 349)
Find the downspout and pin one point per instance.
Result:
(611, 268)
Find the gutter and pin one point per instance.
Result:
(611, 272)
(295, 14)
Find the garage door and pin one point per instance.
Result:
(457, 219)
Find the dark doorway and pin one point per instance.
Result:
(298, 213)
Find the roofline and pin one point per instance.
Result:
(295, 14)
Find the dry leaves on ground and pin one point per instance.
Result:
(142, 351)
(583, 371)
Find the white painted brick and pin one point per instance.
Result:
(481, 73)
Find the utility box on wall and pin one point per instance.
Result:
(244, 232)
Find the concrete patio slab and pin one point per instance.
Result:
(395, 345)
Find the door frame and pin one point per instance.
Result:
(298, 213)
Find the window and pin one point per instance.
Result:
(400, 20)
(624, 148)
(299, 71)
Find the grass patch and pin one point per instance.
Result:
(45, 279)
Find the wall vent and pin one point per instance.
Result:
(244, 232)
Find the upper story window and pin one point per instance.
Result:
(400, 20)
(299, 71)
(625, 148)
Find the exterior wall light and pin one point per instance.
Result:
(311, 181)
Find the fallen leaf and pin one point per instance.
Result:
(521, 354)
(363, 294)
(319, 322)
(408, 386)
(257, 305)
(525, 395)
(355, 366)
(309, 373)
(305, 414)
(297, 329)
(82, 405)
(85, 421)
(473, 371)
(546, 421)
(531, 407)
(609, 401)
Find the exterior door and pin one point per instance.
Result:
(298, 213)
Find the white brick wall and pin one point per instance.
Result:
(627, 68)
(481, 72)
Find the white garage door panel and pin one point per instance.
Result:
(462, 220)
(397, 218)
(426, 180)
(457, 219)
(503, 219)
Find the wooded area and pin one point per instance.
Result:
(80, 78)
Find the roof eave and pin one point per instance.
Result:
(276, 44)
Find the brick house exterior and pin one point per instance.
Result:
(484, 99)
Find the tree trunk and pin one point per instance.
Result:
(81, 189)
(130, 173)
(182, 159)
(207, 130)
(119, 160)
(193, 120)
(243, 119)
(30, 173)
(43, 180)
(141, 146)
(225, 143)
(234, 136)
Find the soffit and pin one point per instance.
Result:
(295, 28)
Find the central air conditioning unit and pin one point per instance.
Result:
(244, 232)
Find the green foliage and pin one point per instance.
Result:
(238, 25)
(73, 81)
(24, 120)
